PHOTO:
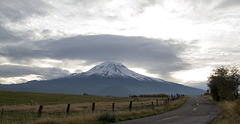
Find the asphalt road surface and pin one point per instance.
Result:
(196, 110)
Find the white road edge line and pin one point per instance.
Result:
(194, 109)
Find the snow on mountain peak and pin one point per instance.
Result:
(114, 69)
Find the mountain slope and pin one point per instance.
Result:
(106, 79)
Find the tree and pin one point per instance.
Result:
(223, 83)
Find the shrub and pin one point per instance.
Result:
(106, 116)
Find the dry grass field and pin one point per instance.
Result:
(82, 112)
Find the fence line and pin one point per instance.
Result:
(165, 103)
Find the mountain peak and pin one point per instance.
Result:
(114, 69)
(111, 63)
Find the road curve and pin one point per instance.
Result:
(196, 110)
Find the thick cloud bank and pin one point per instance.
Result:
(158, 56)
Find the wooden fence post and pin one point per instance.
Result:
(166, 103)
(40, 111)
(156, 102)
(142, 105)
(112, 107)
(130, 106)
(152, 106)
(172, 97)
(68, 110)
(93, 107)
(2, 116)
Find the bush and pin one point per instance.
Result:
(106, 116)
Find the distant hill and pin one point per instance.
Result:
(106, 79)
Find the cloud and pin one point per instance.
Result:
(17, 71)
(156, 55)
(16, 10)
(107, 9)
(215, 24)
(7, 35)
(13, 15)
(229, 4)
(200, 85)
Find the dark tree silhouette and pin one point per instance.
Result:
(223, 83)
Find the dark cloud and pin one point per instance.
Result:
(158, 56)
(46, 32)
(8, 36)
(22, 52)
(18, 71)
(15, 10)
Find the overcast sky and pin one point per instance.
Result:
(175, 40)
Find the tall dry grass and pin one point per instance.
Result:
(81, 112)
(76, 119)
(237, 106)
(228, 115)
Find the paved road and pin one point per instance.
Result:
(196, 110)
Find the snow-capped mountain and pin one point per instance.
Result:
(106, 79)
(113, 69)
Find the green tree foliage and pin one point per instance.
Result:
(223, 83)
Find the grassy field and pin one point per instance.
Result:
(228, 115)
(22, 107)
(18, 98)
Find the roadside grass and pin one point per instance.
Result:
(124, 116)
(18, 108)
(228, 115)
